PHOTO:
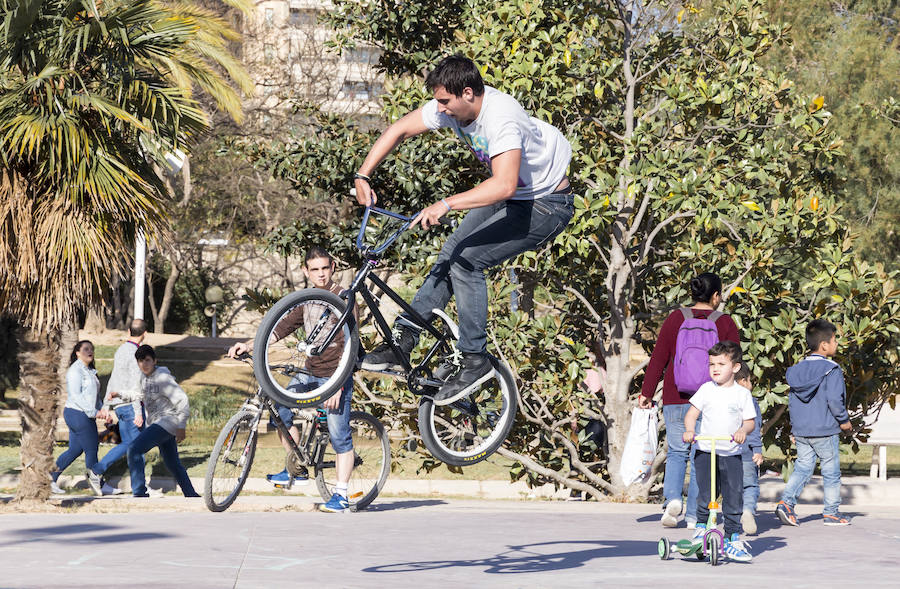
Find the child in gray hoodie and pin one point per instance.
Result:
(818, 415)
(167, 410)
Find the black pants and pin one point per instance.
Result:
(729, 482)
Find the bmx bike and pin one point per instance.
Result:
(235, 448)
(458, 433)
(712, 543)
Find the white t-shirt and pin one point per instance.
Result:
(723, 410)
(503, 125)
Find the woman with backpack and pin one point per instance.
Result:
(681, 352)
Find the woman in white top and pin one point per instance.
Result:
(82, 404)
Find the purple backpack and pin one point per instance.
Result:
(695, 337)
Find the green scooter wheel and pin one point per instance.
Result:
(663, 548)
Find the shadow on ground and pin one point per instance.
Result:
(531, 558)
(80, 534)
(411, 504)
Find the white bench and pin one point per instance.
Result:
(885, 432)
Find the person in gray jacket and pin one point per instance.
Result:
(818, 416)
(167, 414)
(123, 396)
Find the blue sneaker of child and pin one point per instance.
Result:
(337, 504)
(283, 478)
(737, 549)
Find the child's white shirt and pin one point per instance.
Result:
(722, 411)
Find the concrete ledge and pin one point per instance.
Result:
(854, 490)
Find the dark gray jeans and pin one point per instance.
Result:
(486, 237)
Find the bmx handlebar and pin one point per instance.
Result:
(379, 249)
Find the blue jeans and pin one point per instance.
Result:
(827, 450)
(729, 481)
(153, 436)
(129, 433)
(751, 483)
(338, 419)
(83, 438)
(678, 454)
(486, 237)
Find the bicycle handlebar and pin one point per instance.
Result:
(378, 249)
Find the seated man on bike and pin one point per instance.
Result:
(524, 204)
(319, 269)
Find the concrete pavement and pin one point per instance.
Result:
(426, 543)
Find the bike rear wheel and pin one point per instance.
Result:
(372, 462)
(287, 363)
(230, 461)
(469, 430)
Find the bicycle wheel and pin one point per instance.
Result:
(371, 464)
(230, 461)
(287, 363)
(471, 429)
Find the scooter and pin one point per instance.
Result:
(713, 541)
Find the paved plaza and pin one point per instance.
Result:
(412, 542)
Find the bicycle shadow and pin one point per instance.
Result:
(409, 504)
(528, 559)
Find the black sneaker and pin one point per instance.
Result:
(383, 357)
(474, 370)
(445, 370)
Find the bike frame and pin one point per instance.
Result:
(305, 450)
(372, 257)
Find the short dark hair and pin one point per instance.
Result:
(137, 327)
(743, 372)
(704, 286)
(456, 73)
(818, 332)
(727, 348)
(144, 351)
(316, 252)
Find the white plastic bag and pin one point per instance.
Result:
(640, 447)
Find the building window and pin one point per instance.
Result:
(302, 16)
(270, 17)
(365, 55)
(358, 90)
(269, 52)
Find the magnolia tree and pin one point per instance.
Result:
(689, 156)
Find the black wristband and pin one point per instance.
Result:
(359, 176)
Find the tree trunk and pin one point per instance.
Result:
(162, 312)
(40, 392)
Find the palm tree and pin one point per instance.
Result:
(91, 98)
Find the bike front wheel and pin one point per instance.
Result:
(371, 462)
(230, 461)
(469, 430)
(288, 361)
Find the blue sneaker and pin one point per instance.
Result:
(737, 549)
(283, 478)
(337, 504)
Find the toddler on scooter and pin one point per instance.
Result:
(726, 408)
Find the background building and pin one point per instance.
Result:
(285, 49)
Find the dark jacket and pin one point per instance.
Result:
(753, 443)
(816, 401)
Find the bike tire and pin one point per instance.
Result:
(281, 365)
(458, 439)
(230, 461)
(372, 462)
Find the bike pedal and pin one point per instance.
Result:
(356, 495)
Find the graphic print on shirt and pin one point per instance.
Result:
(479, 146)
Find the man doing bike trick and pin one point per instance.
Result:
(525, 203)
